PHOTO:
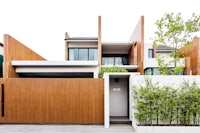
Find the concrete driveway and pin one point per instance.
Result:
(31, 128)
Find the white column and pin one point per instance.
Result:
(106, 101)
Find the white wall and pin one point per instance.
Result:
(147, 46)
(152, 62)
(168, 129)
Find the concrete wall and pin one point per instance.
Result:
(164, 129)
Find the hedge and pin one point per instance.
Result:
(166, 105)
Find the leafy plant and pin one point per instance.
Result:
(111, 69)
(167, 105)
(173, 31)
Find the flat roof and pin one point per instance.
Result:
(56, 69)
(116, 43)
(19, 63)
(164, 48)
(82, 39)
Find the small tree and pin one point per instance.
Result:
(173, 31)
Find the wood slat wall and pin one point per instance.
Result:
(15, 50)
(1, 82)
(66, 46)
(138, 37)
(76, 101)
(193, 51)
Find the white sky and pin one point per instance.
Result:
(41, 24)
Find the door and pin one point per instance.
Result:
(118, 97)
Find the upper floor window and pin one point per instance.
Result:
(155, 71)
(114, 60)
(150, 53)
(83, 53)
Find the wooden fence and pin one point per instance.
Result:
(52, 100)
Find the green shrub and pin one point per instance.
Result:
(111, 69)
(166, 105)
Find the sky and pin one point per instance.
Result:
(41, 24)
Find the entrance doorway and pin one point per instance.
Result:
(119, 100)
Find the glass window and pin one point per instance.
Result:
(103, 61)
(150, 53)
(148, 71)
(109, 61)
(124, 60)
(73, 54)
(118, 60)
(83, 54)
(156, 71)
(93, 54)
(114, 60)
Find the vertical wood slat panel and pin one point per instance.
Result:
(15, 50)
(193, 51)
(0, 103)
(99, 43)
(1, 82)
(54, 101)
(138, 36)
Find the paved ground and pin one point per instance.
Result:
(18, 128)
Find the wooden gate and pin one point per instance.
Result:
(52, 100)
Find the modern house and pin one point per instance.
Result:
(35, 90)
(151, 63)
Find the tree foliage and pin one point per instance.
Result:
(173, 31)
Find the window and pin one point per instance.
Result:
(155, 71)
(108, 60)
(114, 60)
(73, 54)
(93, 54)
(148, 71)
(83, 54)
(118, 61)
(150, 53)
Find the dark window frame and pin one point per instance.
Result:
(150, 55)
(153, 68)
(88, 53)
(123, 56)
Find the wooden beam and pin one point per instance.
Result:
(66, 46)
(99, 43)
